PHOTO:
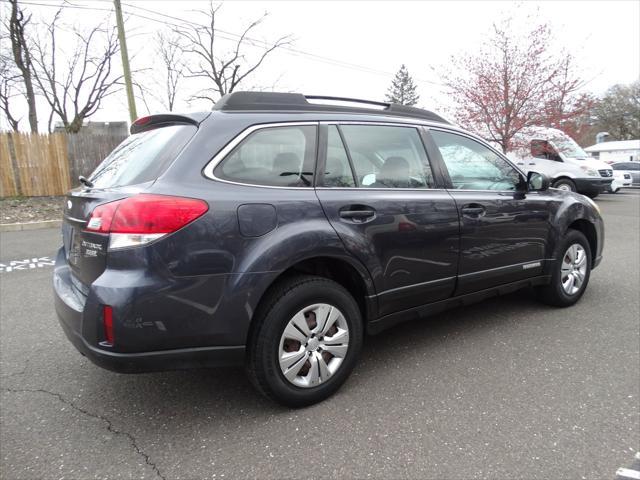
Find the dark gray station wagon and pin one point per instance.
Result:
(276, 231)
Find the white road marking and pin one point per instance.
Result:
(628, 473)
(26, 264)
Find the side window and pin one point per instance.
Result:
(472, 166)
(337, 170)
(388, 156)
(543, 149)
(273, 156)
(632, 166)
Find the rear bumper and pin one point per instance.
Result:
(80, 319)
(592, 185)
(178, 359)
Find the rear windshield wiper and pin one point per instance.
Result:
(85, 181)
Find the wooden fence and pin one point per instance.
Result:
(49, 164)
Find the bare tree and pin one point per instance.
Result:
(618, 111)
(20, 46)
(223, 72)
(163, 80)
(173, 67)
(75, 90)
(8, 83)
(513, 83)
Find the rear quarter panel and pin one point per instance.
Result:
(214, 271)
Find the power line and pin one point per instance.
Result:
(293, 50)
(255, 41)
(233, 36)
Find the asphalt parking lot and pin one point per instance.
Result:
(508, 388)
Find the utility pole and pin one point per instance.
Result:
(125, 62)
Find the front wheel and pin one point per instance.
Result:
(565, 184)
(306, 340)
(571, 272)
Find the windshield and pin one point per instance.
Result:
(568, 147)
(142, 157)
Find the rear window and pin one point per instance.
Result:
(142, 157)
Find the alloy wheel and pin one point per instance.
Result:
(313, 345)
(573, 269)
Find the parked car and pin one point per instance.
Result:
(275, 232)
(632, 167)
(552, 152)
(621, 179)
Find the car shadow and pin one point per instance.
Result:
(181, 397)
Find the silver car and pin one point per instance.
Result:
(632, 167)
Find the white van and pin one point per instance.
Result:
(552, 152)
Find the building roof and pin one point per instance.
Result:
(614, 146)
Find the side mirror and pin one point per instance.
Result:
(537, 182)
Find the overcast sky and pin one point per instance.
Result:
(354, 48)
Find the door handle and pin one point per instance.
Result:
(473, 210)
(357, 214)
(361, 214)
(532, 163)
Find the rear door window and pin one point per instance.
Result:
(388, 156)
(273, 156)
(142, 157)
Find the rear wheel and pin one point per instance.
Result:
(592, 194)
(571, 272)
(564, 184)
(306, 340)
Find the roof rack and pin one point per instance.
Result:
(274, 101)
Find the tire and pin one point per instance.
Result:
(306, 298)
(615, 191)
(592, 194)
(556, 293)
(564, 184)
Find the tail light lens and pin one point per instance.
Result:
(143, 218)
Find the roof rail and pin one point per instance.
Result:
(274, 101)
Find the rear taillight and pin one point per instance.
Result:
(143, 218)
(107, 320)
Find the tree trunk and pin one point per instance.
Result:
(74, 126)
(31, 101)
(22, 58)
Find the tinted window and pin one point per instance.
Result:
(388, 157)
(337, 169)
(142, 157)
(543, 149)
(472, 166)
(627, 166)
(274, 156)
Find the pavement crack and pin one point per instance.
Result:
(109, 424)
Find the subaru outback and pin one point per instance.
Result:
(277, 230)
